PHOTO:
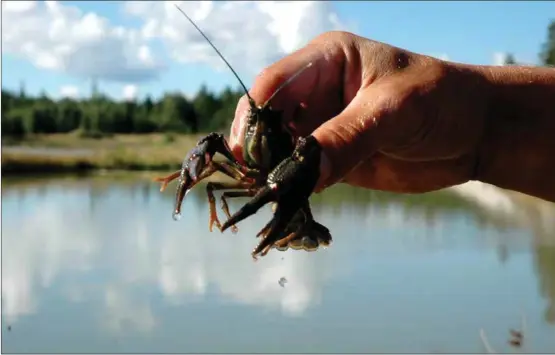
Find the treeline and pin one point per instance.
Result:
(99, 115)
(547, 53)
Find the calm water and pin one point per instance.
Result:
(98, 265)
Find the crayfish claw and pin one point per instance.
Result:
(263, 196)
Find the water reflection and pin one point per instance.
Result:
(106, 252)
(51, 228)
(545, 264)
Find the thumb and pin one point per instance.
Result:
(349, 138)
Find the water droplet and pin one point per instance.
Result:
(176, 216)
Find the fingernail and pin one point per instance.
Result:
(234, 131)
(325, 172)
(241, 113)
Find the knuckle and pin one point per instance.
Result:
(269, 76)
(333, 36)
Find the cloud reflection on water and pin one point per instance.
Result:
(123, 238)
(54, 232)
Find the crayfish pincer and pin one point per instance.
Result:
(290, 185)
(277, 169)
(198, 165)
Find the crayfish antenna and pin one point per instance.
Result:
(251, 101)
(287, 82)
(262, 197)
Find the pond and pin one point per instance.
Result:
(97, 264)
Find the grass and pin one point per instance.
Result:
(148, 152)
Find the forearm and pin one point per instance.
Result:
(518, 147)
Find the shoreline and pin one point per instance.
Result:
(153, 154)
(69, 153)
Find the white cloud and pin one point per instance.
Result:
(18, 6)
(499, 58)
(443, 56)
(130, 92)
(58, 37)
(251, 35)
(69, 91)
(33, 263)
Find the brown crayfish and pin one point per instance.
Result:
(277, 169)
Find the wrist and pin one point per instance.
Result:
(518, 147)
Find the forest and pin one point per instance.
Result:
(99, 115)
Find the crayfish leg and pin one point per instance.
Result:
(214, 186)
(264, 231)
(234, 194)
(166, 179)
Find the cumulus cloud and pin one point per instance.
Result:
(499, 58)
(59, 37)
(130, 92)
(69, 91)
(442, 56)
(251, 35)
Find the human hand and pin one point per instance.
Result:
(386, 118)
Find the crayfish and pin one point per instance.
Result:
(278, 169)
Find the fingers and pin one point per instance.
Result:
(387, 174)
(321, 84)
(267, 82)
(352, 136)
(271, 78)
(237, 128)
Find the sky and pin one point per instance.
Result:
(138, 48)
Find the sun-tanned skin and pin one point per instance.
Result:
(518, 151)
(390, 119)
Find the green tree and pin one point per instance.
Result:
(69, 115)
(225, 114)
(206, 105)
(509, 59)
(45, 115)
(548, 51)
(175, 114)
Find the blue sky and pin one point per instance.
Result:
(470, 32)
